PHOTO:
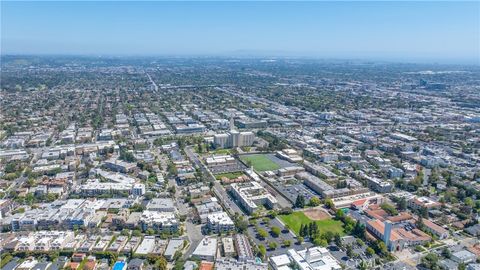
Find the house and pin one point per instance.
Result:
(135, 264)
(474, 230)
(28, 264)
(463, 256)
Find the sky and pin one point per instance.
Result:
(423, 31)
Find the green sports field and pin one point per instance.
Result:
(260, 162)
(296, 219)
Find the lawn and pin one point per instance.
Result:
(260, 162)
(221, 151)
(230, 175)
(296, 219)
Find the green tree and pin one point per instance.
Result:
(262, 233)
(241, 224)
(381, 248)
(301, 231)
(430, 261)
(390, 209)
(272, 245)
(402, 204)
(262, 251)
(469, 201)
(314, 201)
(339, 214)
(349, 250)
(446, 253)
(320, 242)
(300, 240)
(338, 240)
(329, 204)
(275, 231)
(161, 263)
(359, 230)
(266, 220)
(300, 201)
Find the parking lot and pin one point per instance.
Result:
(341, 255)
(292, 191)
(236, 167)
(284, 235)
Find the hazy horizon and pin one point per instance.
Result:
(425, 32)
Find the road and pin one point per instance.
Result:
(194, 234)
(155, 86)
(225, 200)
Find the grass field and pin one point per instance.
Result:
(296, 219)
(230, 175)
(260, 162)
(221, 151)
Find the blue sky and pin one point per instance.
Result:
(444, 31)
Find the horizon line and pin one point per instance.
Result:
(239, 54)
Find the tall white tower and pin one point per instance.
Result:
(232, 123)
(387, 233)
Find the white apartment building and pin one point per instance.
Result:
(220, 222)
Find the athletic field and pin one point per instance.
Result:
(260, 162)
(296, 219)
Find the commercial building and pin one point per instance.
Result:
(189, 128)
(95, 187)
(222, 160)
(251, 123)
(232, 264)
(379, 185)
(437, 230)
(119, 165)
(315, 258)
(417, 203)
(206, 249)
(161, 205)
(313, 182)
(290, 155)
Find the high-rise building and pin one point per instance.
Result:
(233, 138)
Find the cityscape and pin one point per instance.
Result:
(238, 162)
